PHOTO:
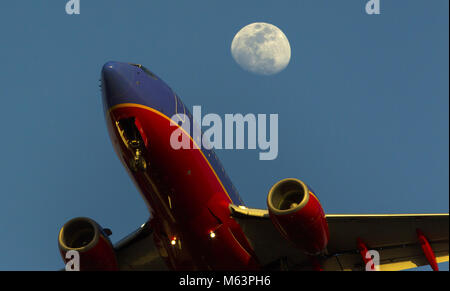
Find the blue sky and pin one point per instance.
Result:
(363, 107)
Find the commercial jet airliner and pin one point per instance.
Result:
(199, 222)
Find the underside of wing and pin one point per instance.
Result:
(391, 259)
(394, 237)
(138, 252)
(273, 251)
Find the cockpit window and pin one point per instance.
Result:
(147, 71)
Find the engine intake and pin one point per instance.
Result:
(297, 214)
(90, 240)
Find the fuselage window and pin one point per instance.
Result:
(148, 72)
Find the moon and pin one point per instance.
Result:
(261, 48)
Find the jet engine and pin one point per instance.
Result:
(297, 214)
(84, 245)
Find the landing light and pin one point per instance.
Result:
(212, 234)
(173, 241)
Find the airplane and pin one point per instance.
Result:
(198, 220)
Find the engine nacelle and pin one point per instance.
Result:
(297, 214)
(90, 241)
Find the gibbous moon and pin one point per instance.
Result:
(261, 48)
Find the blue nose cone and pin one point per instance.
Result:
(124, 83)
(109, 71)
(117, 83)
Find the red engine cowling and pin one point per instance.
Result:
(89, 240)
(296, 212)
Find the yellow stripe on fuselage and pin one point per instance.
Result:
(314, 196)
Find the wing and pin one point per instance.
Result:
(138, 251)
(393, 236)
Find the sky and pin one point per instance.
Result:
(363, 107)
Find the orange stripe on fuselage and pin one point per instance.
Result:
(124, 105)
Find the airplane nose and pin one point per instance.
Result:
(124, 83)
(110, 77)
(108, 70)
(116, 78)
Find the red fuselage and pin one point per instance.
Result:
(186, 190)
